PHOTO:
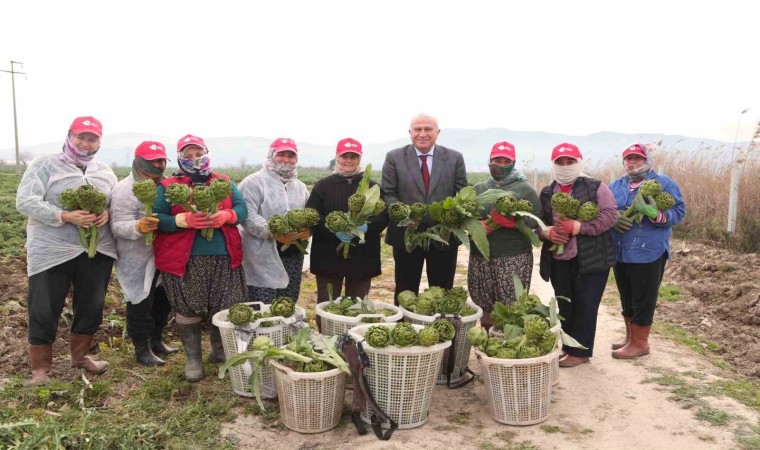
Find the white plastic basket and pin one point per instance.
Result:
(462, 350)
(309, 402)
(279, 333)
(335, 324)
(401, 378)
(555, 363)
(518, 391)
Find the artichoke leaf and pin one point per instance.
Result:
(477, 235)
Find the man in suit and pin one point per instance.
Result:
(422, 172)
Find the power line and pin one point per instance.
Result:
(15, 121)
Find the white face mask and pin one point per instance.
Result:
(567, 174)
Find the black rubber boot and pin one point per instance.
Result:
(190, 335)
(157, 343)
(217, 347)
(145, 355)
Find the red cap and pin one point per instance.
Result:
(190, 140)
(635, 149)
(566, 149)
(503, 149)
(348, 145)
(284, 144)
(87, 124)
(150, 150)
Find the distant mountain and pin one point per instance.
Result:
(533, 147)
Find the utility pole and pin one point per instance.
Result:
(15, 121)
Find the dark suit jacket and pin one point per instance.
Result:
(402, 182)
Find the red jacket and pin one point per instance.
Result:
(172, 250)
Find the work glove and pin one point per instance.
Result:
(363, 227)
(647, 206)
(287, 238)
(193, 220)
(344, 237)
(568, 227)
(304, 234)
(623, 223)
(146, 224)
(503, 221)
(225, 216)
(556, 236)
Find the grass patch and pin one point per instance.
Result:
(550, 428)
(746, 392)
(460, 418)
(748, 437)
(678, 334)
(669, 293)
(713, 416)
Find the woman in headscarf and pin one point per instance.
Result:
(643, 249)
(275, 189)
(331, 194)
(56, 258)
(201, 276)
(580, 272)
(511, 251)
(147, 306)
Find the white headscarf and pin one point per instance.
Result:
(565, 175)
(285, 171)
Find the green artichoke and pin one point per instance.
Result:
(535, 328)
(296, 219)
(428, 336)
(417, 211)
(446, 330)
(378, 336)
(90, 199)
(283, 306)
(398, 212)
(546, 343)
(204, 198)
(356, 203)
(332, 308)
(240, 314)
(221, 188)
(312, 216)
(144, 191)
(262, 343)
(425, 306)
(471, 207)
(565, 205)
(336, 221)
(278, 224)
(69, 200)
(493, 346)
(404, 334)
(379, 207)
(316, 365)
(407, 299)
(178, 194)
(506, 205)
(477, 336)
(505, 353)
(524, 205)
(264, 315)
(650, 188)
(451, 217)
(468, 311)
(664, 201)
(450, 304)
(588, 211)
(529, 351)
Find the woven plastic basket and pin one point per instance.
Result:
(518, 390)
(309, 402)
(462, 350)
(335, 324)
(279, 333)
(401, 379)
(555, 363)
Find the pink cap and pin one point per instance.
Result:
(284, 144)
(635, 149)
(348, 145)
(566, 149)
(190, 140)
(150, 150)
(87, 124)
(503, 149)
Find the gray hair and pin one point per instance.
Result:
(423, 116)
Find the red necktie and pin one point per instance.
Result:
(425, 173)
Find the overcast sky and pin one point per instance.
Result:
(319, 71)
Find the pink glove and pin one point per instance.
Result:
(569, 227)
(223, 217)
(197, 221)
(488, 229)
(556, 236)
(502, 221)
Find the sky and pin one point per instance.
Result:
(318, 71)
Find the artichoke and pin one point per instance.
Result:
(240, 314)
(493, 345)
(90, 199)
(417, 211)
(451, 218)
(450, 305)
(506, 205)
(529, 351)
(588, 211)
(524, 205)
(407, 299)
(262, 343)
(296, 219)
(221, 188)
(204, 198)
(346, 302)
(446, 330)
(316, 365)
(535, 328)
(471, 207)
(336, 221)
(356, 203)
(278, 224)
(428, 336)
(546, 343)
(468, 311)
(178, 194)
(283, 306)
(650, 188)
(312, 216)
(664, 201)
(404, 334)
(425, 306)
(378, 336)
(505, 353)
(379, 207)
(477, 336)
(264, 315)
(565, 205)
(398, 212)
(144, 191)
(69, 200)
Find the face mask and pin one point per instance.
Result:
(500, 172)
(567, 174)
(199, 165)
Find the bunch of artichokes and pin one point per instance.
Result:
(85, 198)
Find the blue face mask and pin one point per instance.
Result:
(500, 172)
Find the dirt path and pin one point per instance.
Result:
(606, 404)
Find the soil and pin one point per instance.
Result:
(600, 405)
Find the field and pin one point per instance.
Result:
(709, 304)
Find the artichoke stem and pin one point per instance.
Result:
(93, 242)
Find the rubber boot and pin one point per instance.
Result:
(145, 355)
(41, 360)
(157, 343)
(637, 346)
(79, 345)
(217, 347)
(190, 335)
(627, 338)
